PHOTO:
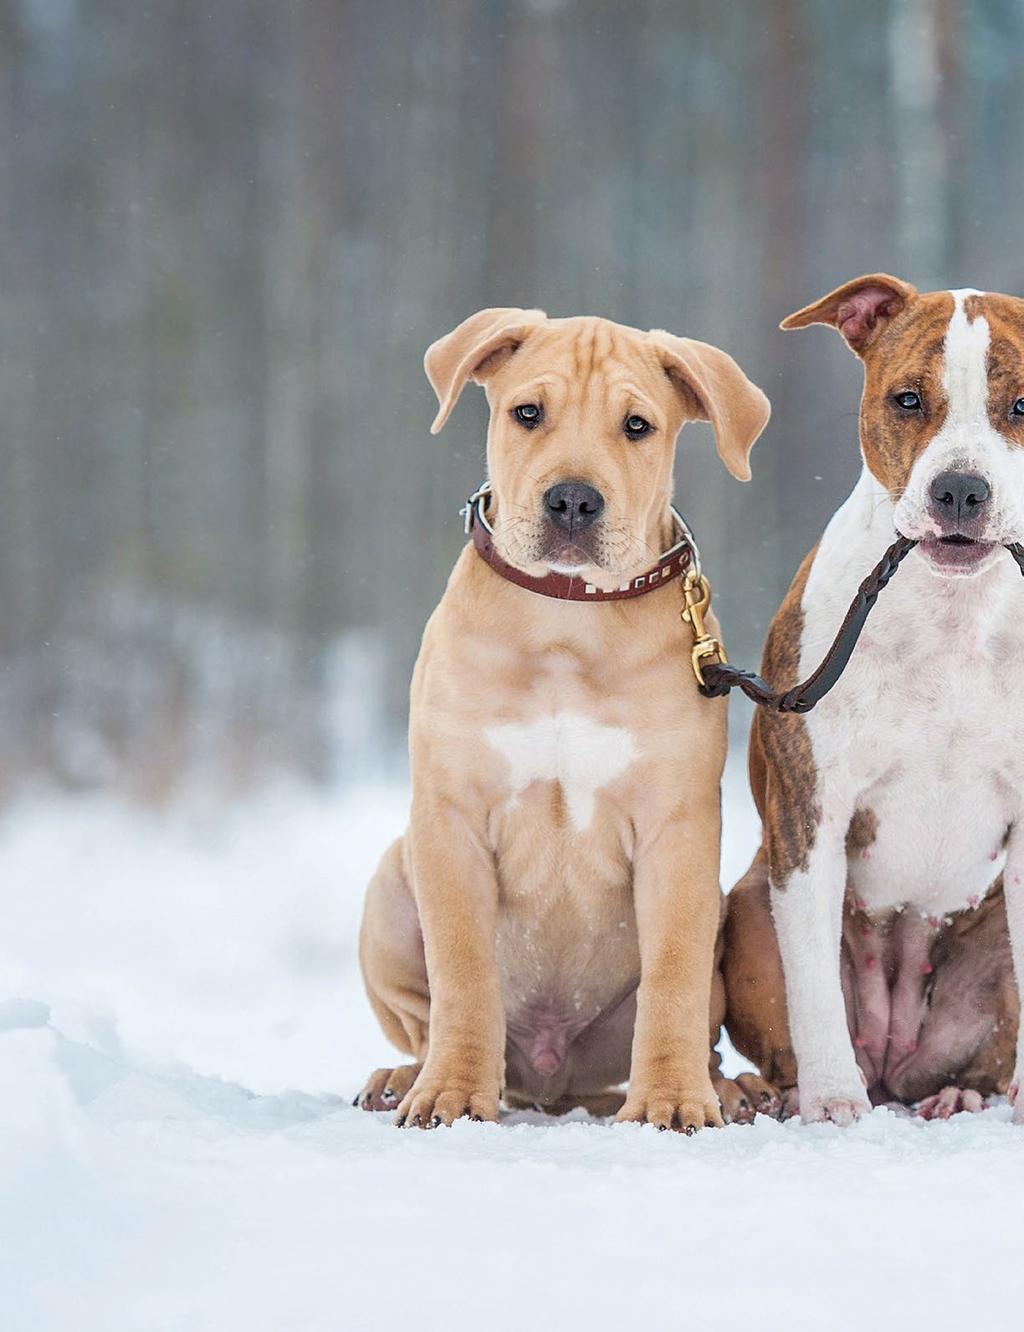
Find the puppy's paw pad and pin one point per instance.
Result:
(386, 1087)
(436, 1102)
(671, 1109)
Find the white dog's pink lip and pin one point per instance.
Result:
(956, 553)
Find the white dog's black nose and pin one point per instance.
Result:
(572, 505)
(959, 496)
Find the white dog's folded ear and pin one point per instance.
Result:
(472, 350)
(718, 391)
(859, 309)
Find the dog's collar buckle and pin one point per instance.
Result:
(473, 511)
(681, 560)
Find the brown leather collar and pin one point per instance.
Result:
(567, 587)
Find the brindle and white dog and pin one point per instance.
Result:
(893, 849)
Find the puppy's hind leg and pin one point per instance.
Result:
(395, 976)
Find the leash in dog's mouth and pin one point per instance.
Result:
(715, 675)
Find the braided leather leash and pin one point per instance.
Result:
(716, 677)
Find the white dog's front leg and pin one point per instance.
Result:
(808, 912)
(1013, 887)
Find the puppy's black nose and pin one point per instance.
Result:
(573, 505)
(960, 496)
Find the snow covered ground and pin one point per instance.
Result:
(166, 984)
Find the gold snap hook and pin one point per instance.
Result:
(696, 602)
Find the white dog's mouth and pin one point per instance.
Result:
(957, 554)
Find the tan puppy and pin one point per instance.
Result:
(547, 925)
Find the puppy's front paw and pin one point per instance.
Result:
(676, 1106)
(440, 1096)
(842, 1107)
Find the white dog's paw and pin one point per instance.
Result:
(842, 1107)
(950, 1101)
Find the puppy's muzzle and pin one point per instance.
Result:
(573, 505)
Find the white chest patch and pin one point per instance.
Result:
(569, 748)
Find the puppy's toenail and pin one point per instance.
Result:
(689, 1129)
(436, 1122)
(400, 1122)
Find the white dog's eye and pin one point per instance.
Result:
(910, 402)
(1018, 408)
(636, 427)
(528, 414)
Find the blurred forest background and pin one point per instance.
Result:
(228, 231)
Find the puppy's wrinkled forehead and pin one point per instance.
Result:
(675, 379)
(593, 359)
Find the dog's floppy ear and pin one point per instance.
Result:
(472, 350)
(718, 392)
(859, 309)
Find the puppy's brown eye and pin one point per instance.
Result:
(528, 414)
(910, 402)
(636, 427)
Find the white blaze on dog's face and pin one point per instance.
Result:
(584, 419)
(942, 415)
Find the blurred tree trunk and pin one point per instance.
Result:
(230, 232)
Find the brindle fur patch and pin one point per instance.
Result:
(782, 772)
(1005, 383)
(892, 440)
(862, 831)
